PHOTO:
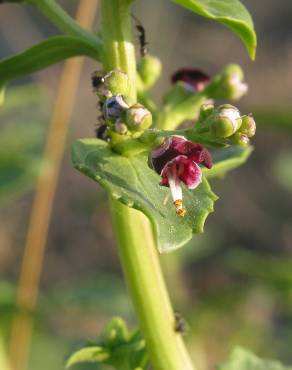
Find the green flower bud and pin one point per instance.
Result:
(149, 70)
(229, 84)
(205, 111)
(121, 127)
(129, 100)
(239, 139)
(117, 82)
(225, 120)
(248, 126)
(138, 117)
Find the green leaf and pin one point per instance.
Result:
(116, 346)
(242, 359)
(88, 354)
(131, 181)
(227, 160)
(51, 51)
(115, 333)
(231, 13)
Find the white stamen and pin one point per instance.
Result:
(176, 191)
(174, 185)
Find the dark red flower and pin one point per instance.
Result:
(194, 78)
(177, 160)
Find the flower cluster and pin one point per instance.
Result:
(119, 115)
(177, 160)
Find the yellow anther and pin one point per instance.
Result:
(180, 210)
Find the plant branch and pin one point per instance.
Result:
(137, 249)
(144, 278)
(119, 51)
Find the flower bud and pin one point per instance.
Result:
(149, 70)
(121, 127)
(138, 117)
(114, 107)
(229, 84)
(194, 79)
(225, 120)
(205, 111)
(239, 139)
(117, 82)
(248, 126)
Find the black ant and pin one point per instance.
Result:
(101, 129)
(142, 37)
(97, 81)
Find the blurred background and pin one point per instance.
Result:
(233, 284)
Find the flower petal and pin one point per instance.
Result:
(176, 146)
(196, 152)
(187, 171)
(194, 78)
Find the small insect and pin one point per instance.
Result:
(142, 37)
(101, 132)
(97, 80)
(180, 324)
(101, 126)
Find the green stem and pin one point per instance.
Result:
(188, 109)
(137, 249)
(119, 51)
(143, 274)
(58, 16)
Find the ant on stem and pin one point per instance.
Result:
(142, 37)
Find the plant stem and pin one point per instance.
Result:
(137, 249)
(119, 51)
(144, 278)
(28, 287)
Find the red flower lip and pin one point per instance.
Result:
(194, 78)
(174, 147)
(177, 160)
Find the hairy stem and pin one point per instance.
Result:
(137, 249)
